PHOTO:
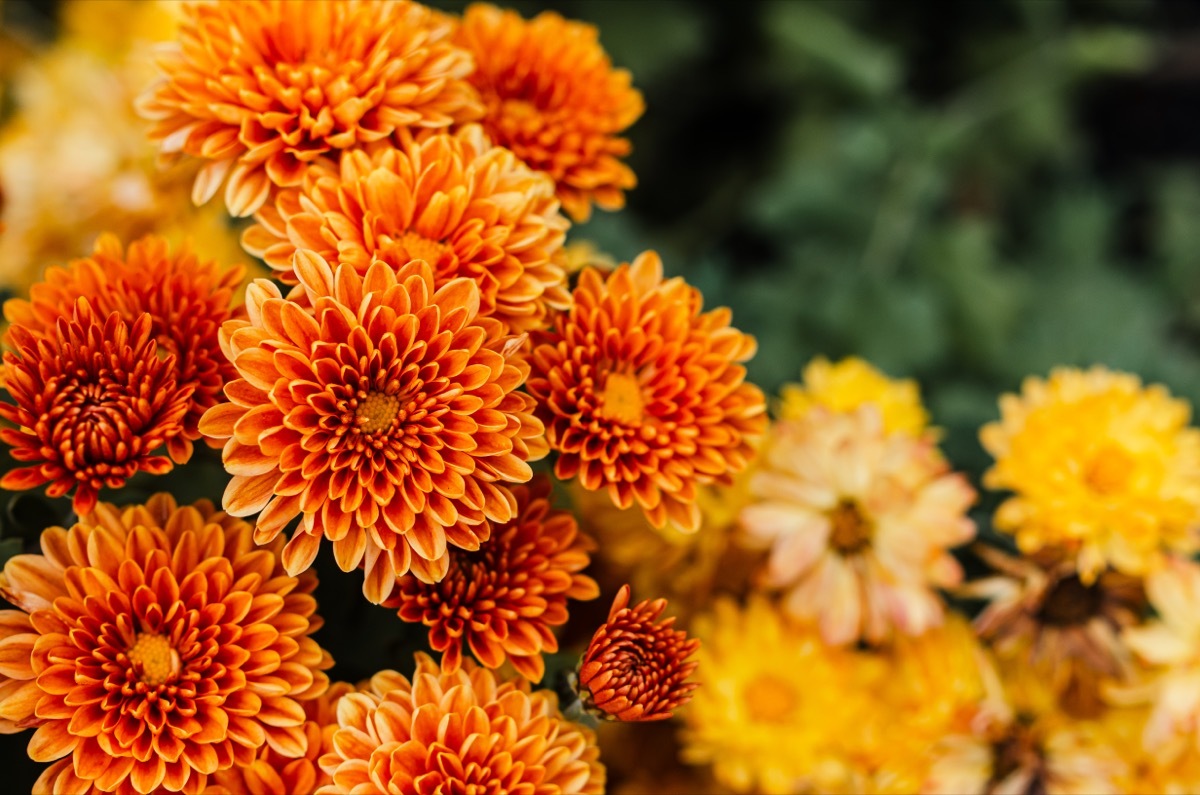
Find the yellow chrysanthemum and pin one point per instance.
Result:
(1099, 464)
(844, 386)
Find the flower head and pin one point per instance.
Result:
(386, 414)
(461, 731)
(93, 404)
(502, 599)
(262, 88)
(187, 301)
(553, 98)
(466, 208)
(858, 523)
(844, 386)
(164, 647)
(636, 667)
(1099, 465)
(642, 394)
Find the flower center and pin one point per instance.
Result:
(622, 399)
(412, 246)
(850, 531)
(769, 699)
(1109, 470)
(1069, 602)
(153, 659)
(377, 411)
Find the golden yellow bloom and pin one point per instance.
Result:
(1098, 464)
(848, 384)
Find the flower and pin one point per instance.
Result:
(502, 599)
(1098, 464)
(387, 415)
(848, 384)
(92, 404)
(261, 88)
(466, 208)
(636, 667)
(858, 523)
(164, 647)
(642, 394)
(187, 300)
(460, 731)
(552, 97)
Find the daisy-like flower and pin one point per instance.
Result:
(845, 385)
(187, 301)
(92, 405)
(463, 206)
(164, 647)
(553, 97)
(386, 415)
(642, 394)
(637, 666)
(502, 599)
(1098, 464)
(858, 523)
(462, 731)
(261, 88)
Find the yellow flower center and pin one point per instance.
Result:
(1109, 470)
(412, 246)
(770, 699)
(377, 411)
(850, 531)
(153, 658)
(622, 399)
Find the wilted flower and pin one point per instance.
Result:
(845, 385)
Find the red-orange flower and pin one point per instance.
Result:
(261, 88)
(503, 598)
(463, 206)
(553, 98)
(636, 667)
(458, 732)
(187, 299)
(386, 414)
(93, 404)
(642, 394)
(164, 647)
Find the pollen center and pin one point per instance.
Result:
(769, 699)
(412, 246)
(377, 411)
(153, 659)
(850, 531)
(1109, 470)
(622, 399)
(1069, 602)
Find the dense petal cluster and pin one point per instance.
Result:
(92, 404)
(845, 385)
(637, 665)
(162, 646)
(463, 206)
(1098, 464)
(187, 300)
(643, 395)
(552, 97)
(385, 413)
(262, 88)
(858, 523)
(502, 600)
(458, 732)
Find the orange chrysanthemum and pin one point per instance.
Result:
(642, 394)
(261, 88)
(504, 598)
(187, 300)
(163, 647)
(93, 404)
(466, 208)
(636, 667)
(458, 732)
(553, 98)
(387, 414)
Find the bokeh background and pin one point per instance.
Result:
(963, 193)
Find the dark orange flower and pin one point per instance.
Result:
(636, 667)
(261, 88)
(164, 647)
(463, 206)
(93, 404)
(642, 394)
(503, 598)
(553, 98)
(386, 414)
(187, 300)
